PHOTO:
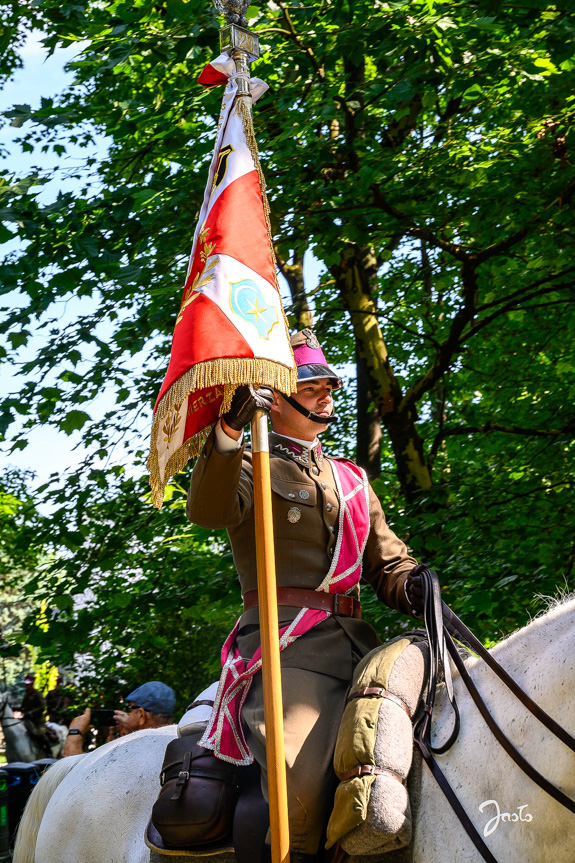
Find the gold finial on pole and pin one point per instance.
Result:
(237, 41)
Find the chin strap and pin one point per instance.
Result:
(310, 415)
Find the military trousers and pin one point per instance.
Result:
(313, 704)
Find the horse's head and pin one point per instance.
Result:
(4, 702)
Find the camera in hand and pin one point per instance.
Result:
(101, 717)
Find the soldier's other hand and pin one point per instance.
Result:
(414, 591)
(245, 403)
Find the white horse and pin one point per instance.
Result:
(20, 746)
(98, 812)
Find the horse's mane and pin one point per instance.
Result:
(556, 607)
(563, 597)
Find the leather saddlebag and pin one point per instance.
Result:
(198, 797)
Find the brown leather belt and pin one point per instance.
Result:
(299, 597)
(378, 692)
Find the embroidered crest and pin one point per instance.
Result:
(248, 302)
(297, 453)
(310, 339)
(294, 514)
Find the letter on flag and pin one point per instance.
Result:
(231, 328)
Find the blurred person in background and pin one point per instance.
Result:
(149, 706)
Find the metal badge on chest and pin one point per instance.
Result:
(294, 514)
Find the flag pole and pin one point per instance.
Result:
(243, 47)
(273, 710)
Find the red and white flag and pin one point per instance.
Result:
(231, 328)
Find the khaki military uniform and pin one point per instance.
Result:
(317, 668)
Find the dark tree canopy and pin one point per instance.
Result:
(423, 152)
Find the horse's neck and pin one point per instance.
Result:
(540, 659)
(19, 747)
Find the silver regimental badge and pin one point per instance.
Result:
(294, 514)
(310, 339)
(304, 494)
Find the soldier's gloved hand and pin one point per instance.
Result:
(245, 403)
(414, 591)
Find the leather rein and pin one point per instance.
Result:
(440, 641)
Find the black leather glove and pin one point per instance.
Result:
(245, 403)
(414, 591)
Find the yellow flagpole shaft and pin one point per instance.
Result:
(267, 594)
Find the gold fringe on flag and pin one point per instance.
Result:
(245, 113)
(229, 373)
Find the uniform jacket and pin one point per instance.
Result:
(305, 514)
(33, 704)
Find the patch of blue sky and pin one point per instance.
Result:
(49, 450)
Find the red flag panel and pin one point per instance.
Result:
(237, 207)
(205, 333)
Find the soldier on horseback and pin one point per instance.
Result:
(329, 529)
(33, 709)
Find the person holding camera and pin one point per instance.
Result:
(149, 706)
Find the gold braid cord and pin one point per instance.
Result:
(228, 373)
(244, 112)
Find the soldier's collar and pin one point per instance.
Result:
(304, 452)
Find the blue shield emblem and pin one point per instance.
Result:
(248, 302)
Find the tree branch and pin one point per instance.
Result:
(452, 343)
(499, 427)
(293, 274)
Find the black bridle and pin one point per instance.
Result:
(440, 641)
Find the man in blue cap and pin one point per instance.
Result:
(149, 706)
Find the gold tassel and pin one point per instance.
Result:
(227, 372)
(177, 461)
(233, 371)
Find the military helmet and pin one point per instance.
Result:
(310, 361)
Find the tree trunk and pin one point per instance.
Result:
(354, 279)
(293, 274)
(368, 452)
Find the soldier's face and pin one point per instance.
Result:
(314, 396)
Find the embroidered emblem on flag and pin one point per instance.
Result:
(248, 302)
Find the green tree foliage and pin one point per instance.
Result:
(422, 151)
(19, 558)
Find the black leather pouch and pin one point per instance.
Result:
(199, 794)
